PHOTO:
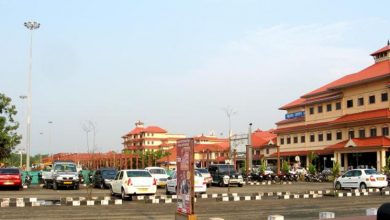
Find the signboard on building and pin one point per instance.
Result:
(295, 115)
(185, 176)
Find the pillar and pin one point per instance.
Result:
(383, 159)
(345, 162)
(378, 160)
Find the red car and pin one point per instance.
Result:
(10, 177)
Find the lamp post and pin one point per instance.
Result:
(31, 25)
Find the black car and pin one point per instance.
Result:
(103, 177)
(224, 175)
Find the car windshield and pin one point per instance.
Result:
(202, 170)
(370, 172)
(65, 168)
(9, 171)
(109, 172)
(138, 173)
(226, 169)
(157, 171)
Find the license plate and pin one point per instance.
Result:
(8, 183)
(381, 178)
(143, 189)
(67, 183)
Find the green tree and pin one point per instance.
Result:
(336, 170)
(8, 126)
(285, 167)
(263, 167)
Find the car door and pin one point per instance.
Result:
(172, 183)
(355, 178)
(95, 179)
(117, 183)
(346, 179)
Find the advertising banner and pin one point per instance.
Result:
(185, 176)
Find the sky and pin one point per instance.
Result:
(175, 64)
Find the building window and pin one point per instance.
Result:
(338, 105)
(319, 109)
(266, 151)
(371, 99)
(360, 101)
(311, 110)
(281, 141)
(295, 140)
(312, 138)
(350, 103)
(320, 137)
(303, 139)
(329, 107)
(362, 133)
(385, 131)
(351, 134)
(329, 136)
(288, 140)
(384, 97)
(373, 132)
(339, 135)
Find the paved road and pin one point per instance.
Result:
(205, 208)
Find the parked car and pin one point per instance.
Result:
(200, 185)
(362, 179)
(103, 177)
(10, 177)
(62, 174)
(206, 175)
(133, 182)
(160, 174)
(225, 174)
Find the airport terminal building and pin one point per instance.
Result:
(346, 120)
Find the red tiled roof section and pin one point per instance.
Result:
(224, 146)
(380, 113)
(170, 158)
(292, 104)
(136, 130)
(154, 129)
(302, 153)
(287, 121)
(383, 49)
(377, 70)
(262, 138)
(379, 141)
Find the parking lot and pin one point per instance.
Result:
(204, 208)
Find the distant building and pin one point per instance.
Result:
(149, 138)
(346, 120)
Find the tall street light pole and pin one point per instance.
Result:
(31, 25)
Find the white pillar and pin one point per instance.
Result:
(383, 159)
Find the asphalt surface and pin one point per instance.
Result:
(204, 208)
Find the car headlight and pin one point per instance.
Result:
(226, 177)
(239, 177)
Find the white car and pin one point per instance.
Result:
(362, 179)
(200, 185)
(160, 174)
(133, 182)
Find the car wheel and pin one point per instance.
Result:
(362, 186)
(166, 190)
(101, 185)
(338, 186)
(240, 185)
(55, 186)
(221, 184)
(123, 194)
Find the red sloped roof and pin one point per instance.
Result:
(211, 147)
(383, 49)
(220, 159)
(380, 113)
(302, 153)
(170, 158)
(287, 121)
(379, 141)
(374, 71)
(154, 129)
(294, 103)
(136, 130)
(262, 138)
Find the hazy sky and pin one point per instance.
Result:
(176, 64)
